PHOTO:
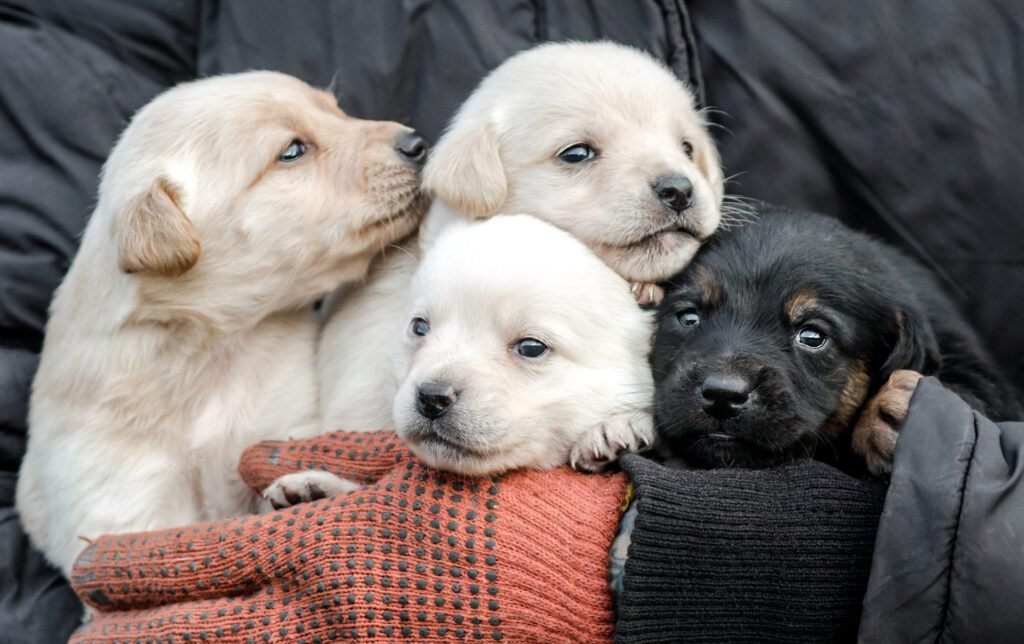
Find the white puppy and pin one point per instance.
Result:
(522, 349)
(598, 139)
(183, 331)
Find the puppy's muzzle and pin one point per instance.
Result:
(412, 147)
(724, 395)
(675, 192)
(434, 399)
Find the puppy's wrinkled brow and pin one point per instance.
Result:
(799, 304)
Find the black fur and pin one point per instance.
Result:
(879, 310)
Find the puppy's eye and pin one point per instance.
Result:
(811, 337)
(531, 348)
(419, 327)
(293, 152)
(688, 148)
(577, 153)
(688, 317)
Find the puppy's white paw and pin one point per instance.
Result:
(615, 436)
(647, 295)
(302, 487)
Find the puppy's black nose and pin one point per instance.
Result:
(434, 399)
(412, 146)
(724, 395)
(674, 191)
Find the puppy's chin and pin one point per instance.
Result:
(438, 444)
(656, 245)
(720, 449)
(655, 258)
(395, 217)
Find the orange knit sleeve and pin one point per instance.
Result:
(420, 555)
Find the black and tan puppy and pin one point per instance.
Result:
(776, 338)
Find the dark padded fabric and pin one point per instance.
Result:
(415, 62)
(948, 565)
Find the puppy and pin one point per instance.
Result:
(184, 331)
(506, 362)
(599, 139)
(775, 338)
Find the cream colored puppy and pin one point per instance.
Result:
(599, 139)
(521, 350)
(183, 331)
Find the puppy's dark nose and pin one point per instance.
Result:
(675, 191)
(412, 147)
(724, 395)
(434, 399)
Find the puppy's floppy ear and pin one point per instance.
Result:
(705, 155)
(154, 235)
(464, 169)
(915, 347)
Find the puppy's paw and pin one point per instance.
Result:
(302, 487)
(616, 435)
(647, 295)
(876, 431)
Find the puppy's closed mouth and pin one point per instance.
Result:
(661, 235)
(720, 437)
(408, 205)
(431, 437)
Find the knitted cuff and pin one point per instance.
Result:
(747, 555)
(556, 530)
(362, 457)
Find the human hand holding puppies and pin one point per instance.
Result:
(416, 553)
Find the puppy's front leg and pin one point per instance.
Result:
(302, 487)
(614, 436)
(876, 431)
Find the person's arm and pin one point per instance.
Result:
(949, 560)
(417, 554)
(733, 555)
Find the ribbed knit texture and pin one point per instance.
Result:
(419, 554)
(778, 555)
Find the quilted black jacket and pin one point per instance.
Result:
(901, 118)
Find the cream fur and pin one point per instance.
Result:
(183, 331)
(482, 288)
(499, 154)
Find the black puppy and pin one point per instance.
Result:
(775, 338)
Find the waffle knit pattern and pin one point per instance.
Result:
(417, 554)
(777, 555)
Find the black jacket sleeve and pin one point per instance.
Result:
(949, 556)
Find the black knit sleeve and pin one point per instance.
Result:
(778, 555)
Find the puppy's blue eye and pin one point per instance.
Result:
(689, 317)
(811, 337)
(293, 152)
(531, 348)
(420, 327)
(577, 153)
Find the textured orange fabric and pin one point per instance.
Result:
(417, 554)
